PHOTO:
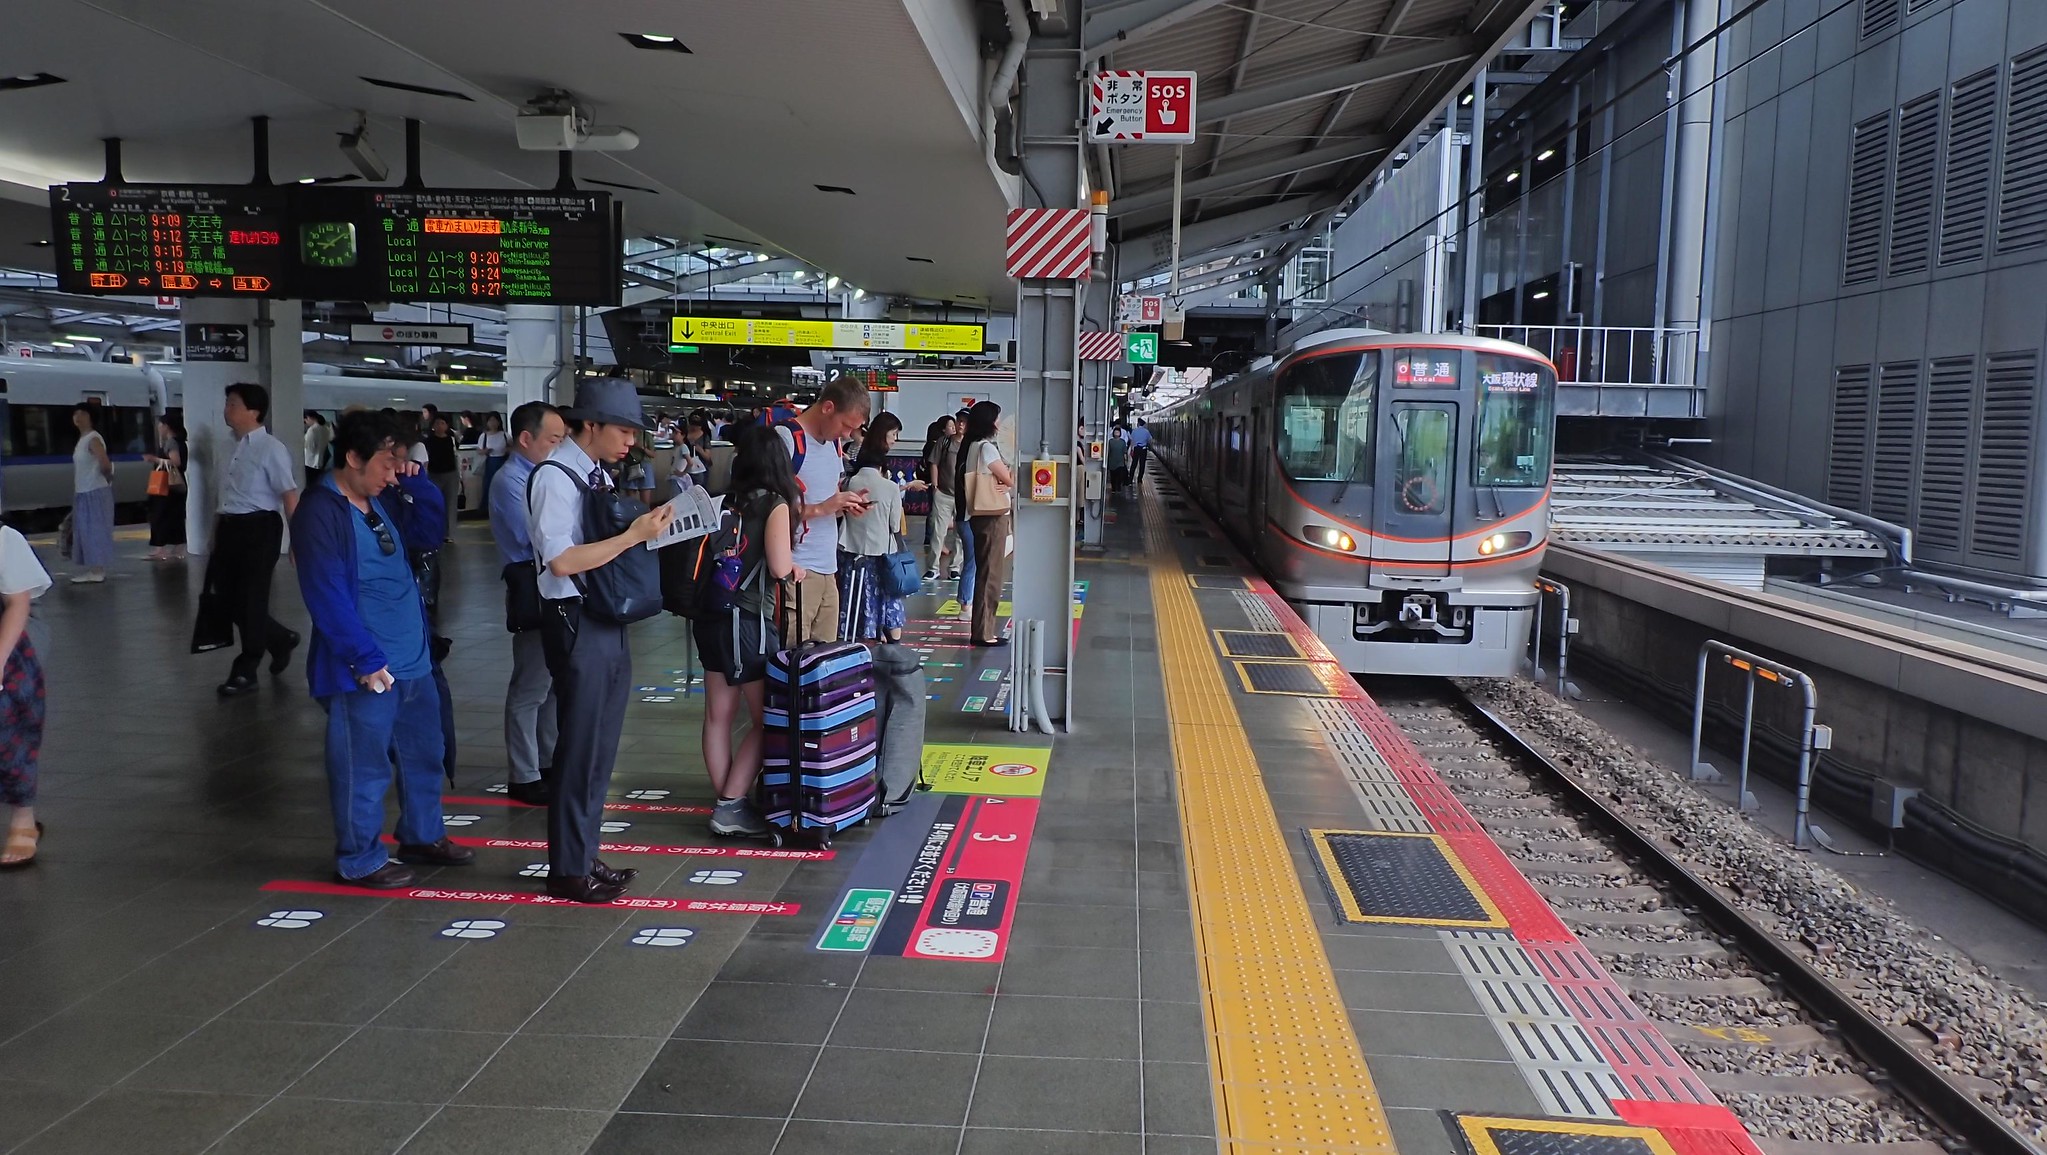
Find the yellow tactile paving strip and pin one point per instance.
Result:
(1288, 1072)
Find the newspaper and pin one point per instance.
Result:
(697, 512)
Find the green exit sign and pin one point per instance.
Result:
(1141, 348)
(682, 348)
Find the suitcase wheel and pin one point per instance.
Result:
(775, 837)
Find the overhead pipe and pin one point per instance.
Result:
(260, 148)
(1019, 19)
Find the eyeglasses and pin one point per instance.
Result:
(385, 541)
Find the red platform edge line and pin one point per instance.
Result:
(1637, 1051)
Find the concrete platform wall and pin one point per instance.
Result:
(1966, 725)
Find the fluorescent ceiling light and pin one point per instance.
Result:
(60, 345)
(374, 360)
(656, 42)
(305, 180)
(831, 282)
(78, 337)
(1546, 154)
(1542, 295)
(860, 294)
(1513, 176)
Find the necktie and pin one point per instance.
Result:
(600, 480)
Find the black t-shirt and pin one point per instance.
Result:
(440, 454)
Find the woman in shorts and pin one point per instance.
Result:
(735, 640)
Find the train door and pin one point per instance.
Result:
(1419, 456)
(1258, 458)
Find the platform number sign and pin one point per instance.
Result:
(1143, 348)
(1141, 107)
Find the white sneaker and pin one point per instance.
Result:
(87, 578)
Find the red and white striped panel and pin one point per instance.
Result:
(1048, 244)
(1101, 346)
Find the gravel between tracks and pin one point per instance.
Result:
(1897, 970)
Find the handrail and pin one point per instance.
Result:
(1757, 666)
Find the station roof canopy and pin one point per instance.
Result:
(1299, 102)
(845, 136)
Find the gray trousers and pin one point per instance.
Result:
(529, 709)
(593, 681)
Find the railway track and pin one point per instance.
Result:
(1803, 1064)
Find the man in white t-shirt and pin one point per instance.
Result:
(838, 412)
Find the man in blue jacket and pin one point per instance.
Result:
(369, 664)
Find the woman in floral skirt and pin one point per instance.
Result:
(22, 580)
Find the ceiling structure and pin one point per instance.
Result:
(770, 101)
(1300, 101)
(840, 137)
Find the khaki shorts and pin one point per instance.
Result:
(820, 602)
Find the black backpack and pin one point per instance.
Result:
(701, 577)
(626, 589)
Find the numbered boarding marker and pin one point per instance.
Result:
(291, 919)
(717, 877)
(473, 928)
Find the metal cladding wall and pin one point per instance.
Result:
(1880, 302)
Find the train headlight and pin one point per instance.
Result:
(1328, 538)
(1502, 543)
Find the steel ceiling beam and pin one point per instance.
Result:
(1237, 249)
(1373, 47)
(1148, 252)
(1119, 27)
(1253, 16)
(1380, 67)
(1161, 196)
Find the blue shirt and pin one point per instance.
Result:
(1140, 438)
(554, 518)
(508, 510)
(387, 597)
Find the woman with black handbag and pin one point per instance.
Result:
(167, 491)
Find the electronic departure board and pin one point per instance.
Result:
(186, 240)
(487, 246)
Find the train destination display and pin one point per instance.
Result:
(185, 240)
(485, 246)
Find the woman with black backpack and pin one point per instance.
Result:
(736, 632)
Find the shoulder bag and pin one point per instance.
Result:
(986, 497)
(627, 588)
(900, 576)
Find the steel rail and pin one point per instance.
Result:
(1915, 1077)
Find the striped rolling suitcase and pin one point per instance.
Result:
(819, 740)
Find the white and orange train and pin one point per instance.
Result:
(1394, 488)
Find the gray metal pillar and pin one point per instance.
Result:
(1474, 202)
(1047, 353)
(1666, 226)
(1694, 147)
(536, 355)
(1699, 296)
(1606, 147)
(275, 361)
(1099, 312)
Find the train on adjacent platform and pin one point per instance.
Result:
(36, 434)
(1393, 488)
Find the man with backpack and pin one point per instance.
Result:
(812, 438)
(595, 579)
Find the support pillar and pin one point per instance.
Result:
(536, 356)
(1697, 123)
(1100, 310)
(1474, 204)
(275, 362)
(1047, 335)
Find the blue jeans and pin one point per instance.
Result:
(364, 731)
(967, 566)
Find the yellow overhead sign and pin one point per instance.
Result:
(889, 336)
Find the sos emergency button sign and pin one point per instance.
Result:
(1141, 107)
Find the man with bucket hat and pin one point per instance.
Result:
(580, 528)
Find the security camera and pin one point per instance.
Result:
(356, 147)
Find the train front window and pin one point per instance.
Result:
(1515, 422)
(1325, 417)
(1424, 461)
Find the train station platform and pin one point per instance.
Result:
(1233, 910)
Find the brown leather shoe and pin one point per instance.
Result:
(390, 876)
(442, 853)
(583, 888)
(610, 877)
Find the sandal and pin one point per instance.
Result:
(19, 841)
